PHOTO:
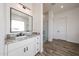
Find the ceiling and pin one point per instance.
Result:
(56, 7)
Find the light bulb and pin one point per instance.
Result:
(62, 6)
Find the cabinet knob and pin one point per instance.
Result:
(27, 48)
(24, 50)
(37, 49)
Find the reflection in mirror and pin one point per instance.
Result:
(17, 25)
(20, 22)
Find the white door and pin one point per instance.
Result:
(60, 28)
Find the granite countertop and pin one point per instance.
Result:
(21, 38)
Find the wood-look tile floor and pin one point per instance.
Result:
(60, 48)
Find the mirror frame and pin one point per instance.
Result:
(11, 19)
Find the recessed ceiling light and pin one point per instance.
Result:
(62, 6)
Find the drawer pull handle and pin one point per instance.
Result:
(27, 48)
(24, 50)
(37, 49)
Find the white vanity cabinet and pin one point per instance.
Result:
(27, 47)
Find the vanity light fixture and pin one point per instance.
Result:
(61, 6)
(24, 7)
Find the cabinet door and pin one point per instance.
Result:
(30, 48)
(17, 52)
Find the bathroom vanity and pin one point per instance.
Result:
(23, 46)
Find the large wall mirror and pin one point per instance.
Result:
(20, 22)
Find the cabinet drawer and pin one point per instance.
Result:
(37, 44)
(38, 38)
(38, 47)
(37, 50)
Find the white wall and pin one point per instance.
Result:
(45, 27)
(38, 20)
(72, 18)
(2, 28)
(50, 25)
(36, 17)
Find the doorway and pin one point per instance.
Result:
(60, 26)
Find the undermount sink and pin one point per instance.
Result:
(20, 38)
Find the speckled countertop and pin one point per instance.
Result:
(21, 38)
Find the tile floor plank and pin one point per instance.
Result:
(60, 48)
